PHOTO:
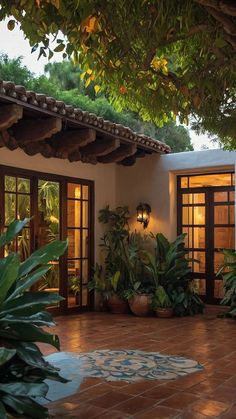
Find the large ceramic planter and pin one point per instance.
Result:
(140, 304)
(164, 313)
(117, 306)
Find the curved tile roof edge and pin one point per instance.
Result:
(44, 102)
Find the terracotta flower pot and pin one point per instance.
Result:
(164, 312)
(117, 306)
(140, 304)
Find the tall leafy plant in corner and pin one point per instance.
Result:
(169, 268)
(114, 243)
(23, 369)
(228, 272)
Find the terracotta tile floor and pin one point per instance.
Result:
(207, 394)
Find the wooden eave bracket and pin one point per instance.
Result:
(28, 131)
(124, 151)
(9, 115)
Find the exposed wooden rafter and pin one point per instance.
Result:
(68, 142)
(101, 147)
(9, 115)
(27, 131)
(118, 155)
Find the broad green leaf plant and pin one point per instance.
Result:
(228, 272)
(170, 271)
(23, 316)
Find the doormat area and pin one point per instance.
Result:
(125, 365)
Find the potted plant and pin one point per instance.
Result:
(228, 272)
(107, 288)
(110, 281)
(139, 293)
(161, 303)
(169, 268)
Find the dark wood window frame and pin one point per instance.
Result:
(63, 181)
(209, 224)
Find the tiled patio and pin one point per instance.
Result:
(207, 339)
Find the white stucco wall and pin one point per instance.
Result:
(103, 175)
(153, 180)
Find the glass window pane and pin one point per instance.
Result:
(187, 198)
(200, 286)
(74, 250)
(199, 198)
(220, 197)
(218, 261)
(85, 244)
(23, 185)
(199, 215)
(199, 237)
(232, 196)
(224, 237)
(184, 182)
(85, 192)
(23, 210)
(199, 266)
(85, 214)
(74, 283)
(218, 179)
(221, 214)
(231, 214)
(11, 247)
(10, 208)
(23, 240)
(49, 211)
(85, 296)
(85, 271)
(74, 190)
(189, 237)
(10, 183)
(218, 288)
(73, 213)
(187, 215)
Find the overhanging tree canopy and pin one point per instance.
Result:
(161, 58)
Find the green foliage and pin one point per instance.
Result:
(169, 269)
(161, 298)
(180, 62)
(23, 369)
(229, 281)
(64, 83)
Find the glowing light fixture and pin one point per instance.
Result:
(143, 214)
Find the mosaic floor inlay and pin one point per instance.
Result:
(126, 365)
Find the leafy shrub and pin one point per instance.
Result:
(23, 369)
(229, 281)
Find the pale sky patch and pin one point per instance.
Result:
(14, 45)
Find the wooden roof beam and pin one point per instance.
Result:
(27, 131)
(67, 142)
(124, 151)
(100, 147)
(9, 115)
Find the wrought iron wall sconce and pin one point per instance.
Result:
(143, 214)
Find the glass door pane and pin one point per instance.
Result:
(48, 229)
(17, 205)
(78, 236)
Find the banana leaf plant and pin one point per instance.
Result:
(228, 272)
(23, 316)
(169, 268)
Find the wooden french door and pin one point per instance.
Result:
(206, 213)
(59, 208)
